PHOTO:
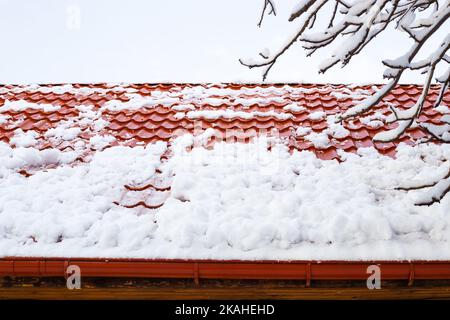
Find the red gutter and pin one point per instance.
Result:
(227, 269)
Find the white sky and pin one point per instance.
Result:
(163, 41)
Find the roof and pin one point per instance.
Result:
(136, 114)
(157, 202)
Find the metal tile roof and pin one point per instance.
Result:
(141, 124)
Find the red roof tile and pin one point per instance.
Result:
(160, 120)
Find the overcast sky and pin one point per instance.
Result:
(156, 41)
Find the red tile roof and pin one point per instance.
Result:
(131, 124)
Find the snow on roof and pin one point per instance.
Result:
(129, 171)
(66, 116)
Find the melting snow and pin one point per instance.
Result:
(293, 107)
(301, 131)
(99, 142)
(228, 114)
(442, 109)
(318, 115)
(319, 140)
(24, 139)
(21, 105)
(4, 119)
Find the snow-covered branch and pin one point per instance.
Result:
(357, 23)
(308, 17)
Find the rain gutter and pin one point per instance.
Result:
(225, 269)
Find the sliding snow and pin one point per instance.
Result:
(235, 201)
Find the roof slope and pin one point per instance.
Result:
(66, 116)
(61, 196)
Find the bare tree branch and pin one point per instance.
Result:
(267, 3)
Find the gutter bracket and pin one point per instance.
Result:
(66, 265)
(411, 275)
(41, 267)
(308, 275)
(196, 274)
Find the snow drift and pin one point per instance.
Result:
(234, 201)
